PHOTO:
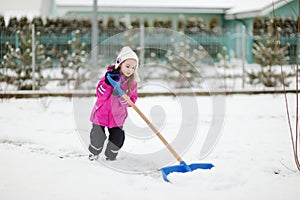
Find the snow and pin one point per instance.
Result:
(155, 3)
(233, 6)
(43, 151)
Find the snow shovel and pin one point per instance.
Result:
(182, 167)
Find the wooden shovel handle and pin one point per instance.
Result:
(128, 100)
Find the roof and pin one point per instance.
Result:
(152, 3)
(156, 6)
(231, 8)
(254, 8)
(28, 8)
(13, 8)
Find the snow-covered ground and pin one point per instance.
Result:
(43, 151)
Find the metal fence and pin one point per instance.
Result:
(240, 44)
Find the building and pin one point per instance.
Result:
(227, 12)
(234, 18)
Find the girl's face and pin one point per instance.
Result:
(128, 67)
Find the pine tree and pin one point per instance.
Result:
(185, 59)
(224, 64)
(17, 62)
(73, 62)
(268, 54)
(181, 64)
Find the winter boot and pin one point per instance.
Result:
(93, 157)
(111, 151)
(110, 159)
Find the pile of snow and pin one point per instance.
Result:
(44, 157)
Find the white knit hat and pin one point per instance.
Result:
(126, 53)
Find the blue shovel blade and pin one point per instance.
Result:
(183, 167)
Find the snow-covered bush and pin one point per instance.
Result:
(18, 66)
(226, 67)
(179, 65)
(74, 61)
(268, 53)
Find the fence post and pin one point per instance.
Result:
(33, 55)
(244, 46)
(250, 41)
(228, 39)
(16, 41)
(142, 43)
(95, 36)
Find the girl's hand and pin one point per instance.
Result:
(114, 71)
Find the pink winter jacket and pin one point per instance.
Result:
(109, 110)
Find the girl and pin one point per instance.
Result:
(110, 110)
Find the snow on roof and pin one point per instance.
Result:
(18, 9)
(232, 6)
(255, 8)
(152, 3)
(256, 5)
